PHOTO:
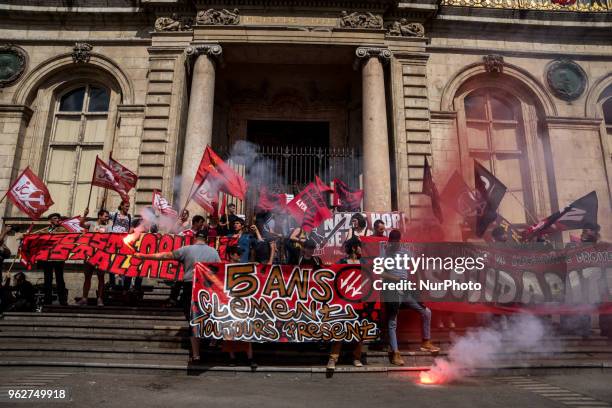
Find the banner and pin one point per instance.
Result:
(274, 303)
(330, 235)
(501, 274)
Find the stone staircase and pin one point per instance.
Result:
(150, 336)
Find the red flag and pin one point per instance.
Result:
(206, 195)
(229, 180)
(344, 197)
(324, 188)
(73, 224)
(309, 208)
(162, 205)
(105, 177)
(124, 175)
(30, 194)
(269, 201)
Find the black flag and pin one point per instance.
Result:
(580, 214)
(430, 189)
(492, 191)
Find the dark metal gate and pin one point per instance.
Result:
(288, 169)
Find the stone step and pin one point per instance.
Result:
(116, 309)
(94, 352)
(85, 327)
(87, 317)
(86, 339)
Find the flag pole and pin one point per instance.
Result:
(89, 198)
(3, 197)
(523, 205)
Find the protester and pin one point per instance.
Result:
(121, 222)
(5, 252)
(188, 256)
(307, 256)
(100, 225)
(49, 267)
(353, 251)
(227, 221)
(246, 238)
(234, 252)
(296, 241)
(581, 325)
(359, 227)
(379, 229)
(23, 295)
(395, 299)
(499, 234)
(214, 229)
(198, 223)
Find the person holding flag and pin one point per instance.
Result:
(49, 267)
(101, 224)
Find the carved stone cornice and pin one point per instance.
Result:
(218, 17)
(402, 28)
(174, 23)
(544, 5)
(360, 20)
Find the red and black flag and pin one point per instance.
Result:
(458, 195)
(580, 214)
(269, 201)
(345, 198)
(430, 189)
(491, 191)
(309, 208)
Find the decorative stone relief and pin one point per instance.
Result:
(81, 52)
(403, 28)
(493, 63)
(566, 79)
(173, 23)
(218, 17)
(360, 20)
(13, 62)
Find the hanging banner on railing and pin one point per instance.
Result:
(274, 303)
(331, 234)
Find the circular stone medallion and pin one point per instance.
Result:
(566, 79)
(12, 64)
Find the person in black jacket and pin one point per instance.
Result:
(23, 294)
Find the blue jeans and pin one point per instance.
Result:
(393, 308)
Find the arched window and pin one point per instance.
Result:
(78, 134)
(607, 114)
(495, 138)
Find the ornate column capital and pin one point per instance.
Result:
(210, 50)
(365, 53)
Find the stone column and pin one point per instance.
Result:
(376, 166)
(200, 114)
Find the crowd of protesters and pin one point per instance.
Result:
(268, 239)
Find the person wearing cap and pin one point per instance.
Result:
(307, 256)
(188, 256)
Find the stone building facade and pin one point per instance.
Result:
(523, 87)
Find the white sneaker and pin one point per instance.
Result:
(357, 363)
(100, 302)
(82, 302)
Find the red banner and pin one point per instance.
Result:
(274, 303)
(113, 252)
